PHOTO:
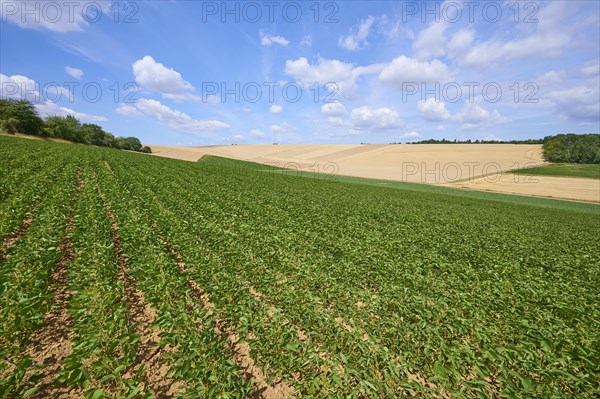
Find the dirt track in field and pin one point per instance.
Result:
(51, 343)
(9, 241)
(150, 355)
(468, 166)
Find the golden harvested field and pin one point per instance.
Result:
(468, 166)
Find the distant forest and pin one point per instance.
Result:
(444, 141)
(561, 148)
(20, 116)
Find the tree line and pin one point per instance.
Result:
(560, 148)
(20, 116)
(444, 141)
(572, 148)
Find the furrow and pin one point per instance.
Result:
(51, 343)
(150, 355)
(240, 348)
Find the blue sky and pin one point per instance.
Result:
(201, 72)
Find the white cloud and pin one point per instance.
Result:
(404, 70)
(212, 99)
(334, 109)
(490, 137)
(460, 43)
(325, 71)
(591, 68)
(50, 108)
(283, 128)
(127, 110)
(578, 103)
(431, 42)
(335, 120)
(473, 116)
(358, 40)
(410, 135)
(433, 111)
(61, 17)
(322, 72)
(173, 118)
(154, 76)
(374, 118)
(19, 87)
(267, 40)
(74, 72)
(276, 109)
(550, 79)
(553, 33)
(257, 133)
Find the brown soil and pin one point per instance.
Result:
(240, 350)
(9, 241)
(149, 354)
(51, 343)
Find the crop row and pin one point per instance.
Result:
(212, 280)
(25, 277)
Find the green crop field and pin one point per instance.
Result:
(590, 171)
(131, 276)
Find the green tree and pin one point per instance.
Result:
(20, 116)
(9, 125)
(132, 144)
(93, 134)
(572, 148)
(64, 127)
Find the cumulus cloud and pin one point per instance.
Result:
(267, 40)
(156, 77)
(433, 111)
(276, 109)
(257, 133)
(325, 71)
(335, 120)
(50, 108)
(282, 128)
(431, 41)
(334, 109)
(173, 118)
(366, 118)
(490, 137)
(357, 39)
(21, 87)
(411, 135)
(473, 116)
(580, 103)
(127, 110)
(74, 72)
(460, 43)
(404, 69)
